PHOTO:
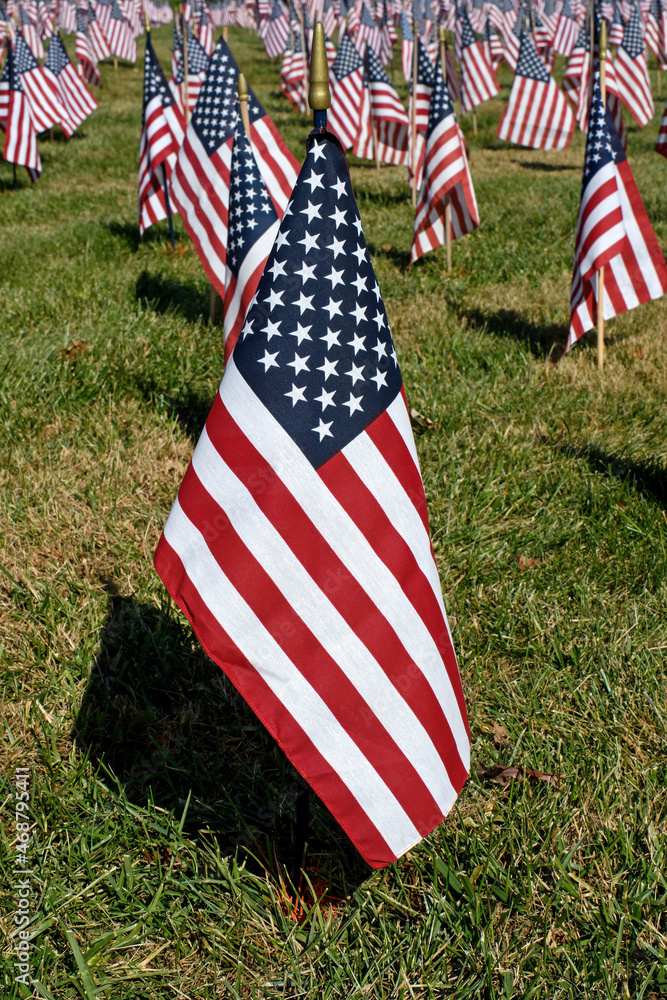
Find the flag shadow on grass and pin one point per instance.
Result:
(647, 477)
(128, 234)
(164, 721)
(543, 341)
(165, 294)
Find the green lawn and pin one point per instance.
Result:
(162, 813)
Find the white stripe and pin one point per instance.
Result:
(288, 684)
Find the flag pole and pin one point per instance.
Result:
(242, 91)
(448, 202)
(167, 203)
(186, 101)
(603, 92)
(413, 114)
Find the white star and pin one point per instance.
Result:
(357, 223)
(318, 150)
(359, 313)
(331, 338)
(274, 298)
(296, 395)
(304, 302)
(358, 343)
(301, 333)
(381, 349)
(360, 284)
(333, 308)
(315, 181)
(339, 187)
(269, 361)
(380, 320)
(312, 211)
(281, 240)
(338, 217)
(337, 246)
(356, 373)
(271, 329)
(326, 398)
(309, 241)
(359, 253)
(354, 403)
(323, 429)
(247, 328)
(380, 378)
(336, 278)
(376, 290)
(277, 268)
(307, 272)
(329, 368)
(299, 364)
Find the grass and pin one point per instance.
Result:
(162, 813)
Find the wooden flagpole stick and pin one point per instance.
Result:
(591, 14)
(186, 101)
(165, 185)
(603, 91)
(305, 56)
(448, 203)
(474, 121)
(242, 90)
(413, 114)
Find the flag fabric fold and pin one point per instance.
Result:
(298, 545)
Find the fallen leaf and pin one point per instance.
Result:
(639, 352)
(500, 735)
(386, 246)
(499, 775)
(525, 562)
(72, 353)
(420, 422)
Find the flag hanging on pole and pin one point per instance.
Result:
(612, 230)
(162, 129)
(200, 181)
(40, 89)
(390, 121)
(347, 93)
(298, 545)
(478, 81)
(74, 95)
(446, 177)
(20, 145)
(632, 72)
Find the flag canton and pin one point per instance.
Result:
(276, 11)
(549, 7)
(366, 17)
(197, 58)
(57, 59)
(251, 211)
(632, 37)
(425, 71)
(441, 106)
(566, 10)
(347, 59)
(468, 36)
(316, 346)
(155, 84)
(202, 14)
(583, 41)
(24, 59)
(428, 11)
(23, 17)
(13, 76)
(406, 27)
(529, 63)
(116, 12)
(80, 21)
(599, 151)
(213, 118)
(92, 16)
(374, 68)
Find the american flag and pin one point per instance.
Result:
(661, 144)
(423, 88)
(40, 90)
(617, 29)
(86, 63)
(635, 269)
(96, 36)
(119, 35)
(205, 27)
(347, 93)
(44, 20)
(446, 176)
(632, 72)
(565, 37)
(20, 145)
(367, 32)
(653, 32)
(197, 68)
(293, 74)
(253, 225)
(390, 121)
(298, 544)
(28, 28)
(277, 30)
(478, 81)
(577, 74)
(67, 16)
(407, 41)
(537, 115)
(74, 95)
(200, 182)
(161, 137)
(493, 48)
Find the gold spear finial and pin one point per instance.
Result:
(148, 21)
(319, 96)
(242, 91)
(242, 87)
(442, 32)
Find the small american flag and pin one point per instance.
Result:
(197, 68)
(537, 115)
(277, 30)
(632, 72)
(96, 36)
(205, 27)
(390, 121)
(75, 96)
(200, 182)
(367, 32)
(40, 89)
(293, 74)
(119, 35)
(478, 81)
(253, 225)
(162, 129)
(347, 92)
(298, 545)
(28, 28)
(635, 269)
(20, 145)
(567, 30)
(446, 176)
(86, 63)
